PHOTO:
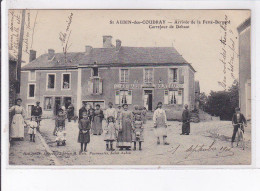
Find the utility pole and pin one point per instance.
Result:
(20, 50)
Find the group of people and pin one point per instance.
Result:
(120, 125)
(117, 125)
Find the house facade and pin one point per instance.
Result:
(134, 75)
(244, 31)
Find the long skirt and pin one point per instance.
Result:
(185, 127)
(125, 135)
(97, 126)
(160, 131)
(17, 126)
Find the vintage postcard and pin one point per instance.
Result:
(129, 87)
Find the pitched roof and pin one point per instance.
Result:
(110, 56)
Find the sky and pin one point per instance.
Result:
(199, 44)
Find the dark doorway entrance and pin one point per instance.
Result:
(148, 99)
(65, 101)
(57, 105)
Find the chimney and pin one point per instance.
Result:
(118, 44)
(51, 53)
(32, 55)
(107, 42)
(88, 49)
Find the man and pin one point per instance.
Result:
(70, 109)
(110, 112)
(82, 110)
(236, 119)
(185, 121)
(160, 125)
(37, 112)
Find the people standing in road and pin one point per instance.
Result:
(138, 132)
(136, 111)
(110, 111)
(37, 113)
(124, 138)
(185, 121)
(70, 111)
(18, 121)
(143, 111)
(82, 110)
(97, 121)
(110, 133)
(32, 125)
(59, 121)
(119, 109)
(160, 124)
(237, 119)
(84, 134)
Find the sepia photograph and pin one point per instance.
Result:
(129, 87)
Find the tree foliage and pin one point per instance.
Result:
(221, 103)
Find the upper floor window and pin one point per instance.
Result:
(95, 71)
(51, 81)
(124, 75)
(95, 85)
(31, 91)
(66, 81)
(173, 75)
(148, 75)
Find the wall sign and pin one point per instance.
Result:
(140, 86)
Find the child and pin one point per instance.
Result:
(61, 136)
(59, 121)
(138, 132)
(84, 135)
(32, 129)
(110, 133)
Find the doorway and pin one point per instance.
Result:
(57, 105)
(65, 101)
(148, 99)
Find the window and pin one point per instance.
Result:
(123, 96)
(29, 109)
(48, 103)
(124, 76)
(51, 81)
(32, 75)
(66, 81)
(95, 85)
(31, 89)
(148, 75)
(173, 97)
(173, 75)
(95, 71)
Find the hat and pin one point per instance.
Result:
(110, 103)
(159, 103)
(37, 102)
(237, 109)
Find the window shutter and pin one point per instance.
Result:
(179, 97)
(117, 97)
(100, 85)
(170, 75)
(90, 86)
(181, 77)
(129, 97)
(166, 97)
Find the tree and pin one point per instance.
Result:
(223, 103)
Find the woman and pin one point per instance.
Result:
(125, 129)
(18, 122)
(97, 121)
